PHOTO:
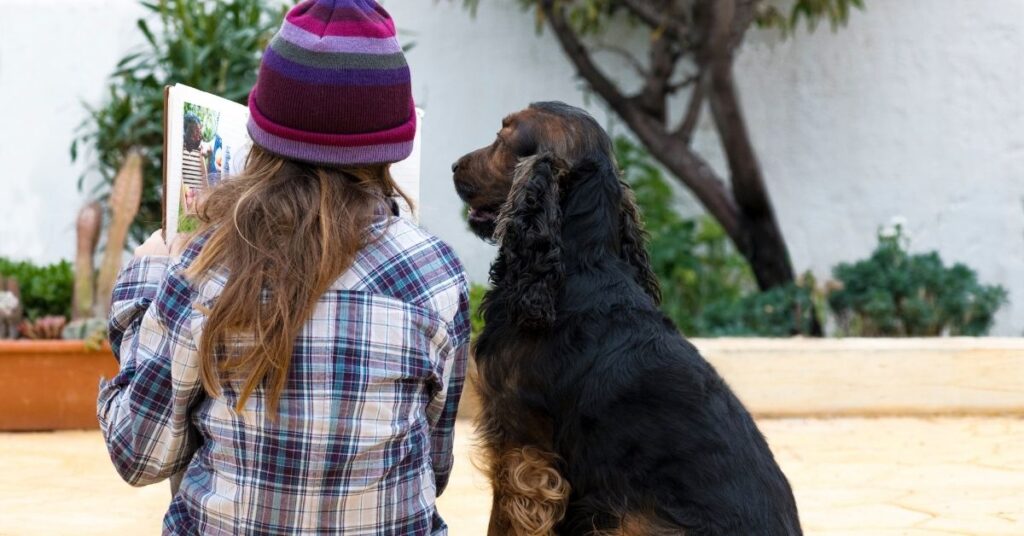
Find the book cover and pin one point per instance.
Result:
(206, 141)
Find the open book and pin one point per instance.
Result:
(206, 141)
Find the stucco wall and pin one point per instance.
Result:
(915, 109)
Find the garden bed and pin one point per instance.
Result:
(864, 377)
(51, 385)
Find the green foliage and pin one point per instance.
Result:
(208, 119)
(694, 260)
(593, 16)
(476, 317)
(45, 290)
(788, 19)
(894, 293)
(212, 46)
(777, 312)
(708, 289)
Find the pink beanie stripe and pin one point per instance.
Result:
(343, 27)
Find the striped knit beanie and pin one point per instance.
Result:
(334, 87)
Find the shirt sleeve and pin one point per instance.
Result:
(445, 404)
(144, 411)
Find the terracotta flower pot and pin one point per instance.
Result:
(51, 385)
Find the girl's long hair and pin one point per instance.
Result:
(283, 231)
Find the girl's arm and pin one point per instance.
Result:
(445, 404)
(144, 411)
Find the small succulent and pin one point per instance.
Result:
(45, 328)
(91, 330)
(10, 308)
(8, 303)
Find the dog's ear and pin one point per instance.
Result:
(529, 233)
(633, 244)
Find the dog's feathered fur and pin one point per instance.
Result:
(598, 416)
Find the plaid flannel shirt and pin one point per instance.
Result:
(363, 439)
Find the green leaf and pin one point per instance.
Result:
(204, 44)
(144, 27)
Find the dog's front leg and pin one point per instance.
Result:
(530, 494)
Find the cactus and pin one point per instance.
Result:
(90, 218)
(124, 204)
(85, 329)
(45, 328)
(10, 308)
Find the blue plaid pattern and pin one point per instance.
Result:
(362, 443)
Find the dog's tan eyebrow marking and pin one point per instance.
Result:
(506, 121)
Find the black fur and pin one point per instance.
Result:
(576, 357)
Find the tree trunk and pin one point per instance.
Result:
(744, 210)
(760, 239)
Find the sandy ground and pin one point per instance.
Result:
(878, 477)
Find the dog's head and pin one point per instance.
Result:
(548, 160)
(483, 178)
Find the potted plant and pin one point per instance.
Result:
(50, 368)
(45, 383)
(52, 384)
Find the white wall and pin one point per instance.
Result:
(53, 55)
(915, 109)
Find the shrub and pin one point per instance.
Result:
(476, 318)
(692, 258)
(212, 46)
(45, 290)
(708, 288)
(894, 293)
(777, 312)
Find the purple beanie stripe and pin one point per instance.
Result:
(334, 87)
(336, 43)
(386, 135)
(339, 109)
(329, 154)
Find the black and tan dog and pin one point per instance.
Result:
(598, 416)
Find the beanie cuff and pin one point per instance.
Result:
(331, 155)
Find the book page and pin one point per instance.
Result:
(206, 141)
(407, 172)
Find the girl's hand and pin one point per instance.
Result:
(154, 246)
(179, 243)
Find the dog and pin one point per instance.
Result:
(598, 417)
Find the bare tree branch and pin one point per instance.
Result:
(763, 240)
(692, 116)
(693, 171)
(655, 17)
(624, 54)
(654, 95)
(688, 81)
(708, 33)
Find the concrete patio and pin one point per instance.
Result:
(852, 476)
(878, 437)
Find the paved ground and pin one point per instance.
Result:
(877, 477)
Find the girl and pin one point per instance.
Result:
(302, 359)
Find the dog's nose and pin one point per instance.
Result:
(455, 167)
